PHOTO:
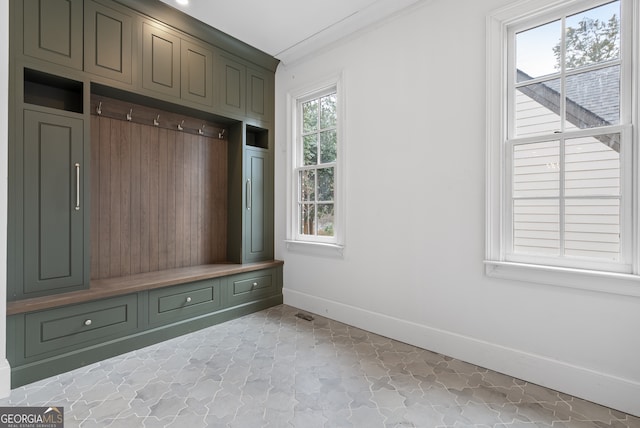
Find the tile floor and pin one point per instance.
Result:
(273, 369)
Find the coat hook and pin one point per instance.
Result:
(201, 130)
(221, 134)
(99, 108)
(180, 128)
(156, 121)
(129, 115)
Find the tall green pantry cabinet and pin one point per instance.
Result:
(259, 205)
(140, 180)
(48, 233)
(54, 214)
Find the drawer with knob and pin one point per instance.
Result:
(252, 286)
(71, 327)
(183, 301)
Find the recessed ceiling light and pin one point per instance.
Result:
(182, 2)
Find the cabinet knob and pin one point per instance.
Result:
(254, 285)
(87, 322)
(188, 299)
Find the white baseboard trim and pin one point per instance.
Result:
(5, 378)
(608, 390)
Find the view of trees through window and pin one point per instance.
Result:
(589, 40)
(566, 191)
(316, 173)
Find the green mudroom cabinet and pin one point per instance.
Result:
(54, 216)
(140, 180)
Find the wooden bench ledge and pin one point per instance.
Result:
(103, 288)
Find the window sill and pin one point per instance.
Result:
(315, 248)
(590, 280)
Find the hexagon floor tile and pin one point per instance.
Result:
(273, 369)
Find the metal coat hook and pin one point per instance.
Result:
(180, 128)
(221, 134)
(201, 130)
(156, 121)
(129, 115)
(99, 108)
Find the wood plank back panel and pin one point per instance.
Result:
(159, 198)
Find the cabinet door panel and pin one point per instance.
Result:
(160, 61)
(53, 31)
(55, 331)
(108, 42)
(259, 94)
(181, 302)
(258, 240)
(232, 84)
(255, 235)
(53, 222)
(257, 86)
(197, 73)
(251, 286)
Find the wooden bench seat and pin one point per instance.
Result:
(103, 288)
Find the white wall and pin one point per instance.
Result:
(412, 267)
(4, 106)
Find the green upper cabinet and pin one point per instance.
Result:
(244, 91)
(232, 84)
(259, 94)
(160, 60)
(53, 31)
(196, 73)
(108, 44)
(54, 207)
(258, 224)
(176, 66)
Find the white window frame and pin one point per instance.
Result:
(501, 25)
(294, 239)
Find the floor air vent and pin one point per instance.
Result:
(305, 317)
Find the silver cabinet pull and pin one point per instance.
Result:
(87, 322)
(77, 165)
(188, 299)
(249, 194)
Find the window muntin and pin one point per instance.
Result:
(316, 167)
(567, 147)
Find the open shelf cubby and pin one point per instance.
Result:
(257, 137)
(48, 90)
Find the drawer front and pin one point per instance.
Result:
(184, 301)
(74, 326)
(251, 286)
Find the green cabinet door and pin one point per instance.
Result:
(196, 73)
(53, 31)
(232, 79)
(258, 225)
(107, 49)
(53, 178)
(160, 60)
(259, 94)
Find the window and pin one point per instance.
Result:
(560, 154)
(315, 208)
(318, 143)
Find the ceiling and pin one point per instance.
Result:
(291, 29)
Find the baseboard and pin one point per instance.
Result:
(608, 390)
